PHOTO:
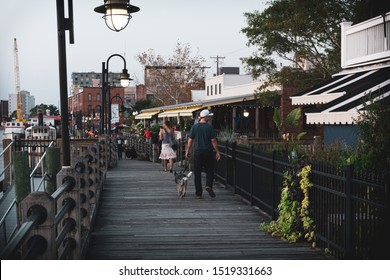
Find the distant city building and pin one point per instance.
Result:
(28, 102)
(93, 79)
(86, 95)
(4, 110)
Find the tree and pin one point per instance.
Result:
(43, 107)
(298, 30)
(140, 105)
(171, 79)
(374, 130)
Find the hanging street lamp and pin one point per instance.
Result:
(116, 13)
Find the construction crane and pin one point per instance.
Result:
(19, 103)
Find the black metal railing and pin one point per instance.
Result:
(350, 209)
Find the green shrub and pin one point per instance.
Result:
(294, 222)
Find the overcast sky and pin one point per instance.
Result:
(210, 27)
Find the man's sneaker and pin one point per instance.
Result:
(198, 197)
(210, 191)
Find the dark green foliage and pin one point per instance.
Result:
(293, 30)
(43, 107)
(374, 128)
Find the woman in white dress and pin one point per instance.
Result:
(167, 153)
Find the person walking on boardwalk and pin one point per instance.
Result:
(203, 138)
(120, 146)
(167, 153)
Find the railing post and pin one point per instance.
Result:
(45, 229)
(80, 164)
(95, 188)
(103, 150)
(273, 192)
(74, 214)
(226, 162)
(349, 234)
(22, 178)
(251, 175)
(234, 144)
(53, 166)
(387, 215)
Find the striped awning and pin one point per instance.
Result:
(146, 115)
(183, 112)
(344, 95)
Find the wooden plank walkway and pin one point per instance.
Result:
(141, 217)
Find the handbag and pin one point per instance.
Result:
(172, 142)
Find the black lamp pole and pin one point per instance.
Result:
(102, 126)
(106, 90)
(64, 24)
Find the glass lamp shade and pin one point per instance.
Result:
(117, 13)
(246, 113)
(117, 19)
(125, 78)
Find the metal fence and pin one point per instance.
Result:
(350, 209)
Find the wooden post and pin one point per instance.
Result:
(46, 229)
(103, 151)
(80, 164)
(59, 144)
(94, 189)
(6, 161)
(74, 194)
(22, 178)
(53, 166)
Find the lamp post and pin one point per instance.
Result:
(113, 9)
(124, 80)
(117, 13)
(64, 24)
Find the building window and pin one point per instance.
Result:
(216, 92)
(89, 109)
(207, 90)
(220, 88)
(98, 97)
(211, 89)
(89, 96)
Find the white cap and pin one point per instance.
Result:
(205, 113)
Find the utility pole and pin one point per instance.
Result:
(217, 58)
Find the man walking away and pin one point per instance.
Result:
(203, 138)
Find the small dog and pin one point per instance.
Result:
(131, 153)
(181, 180)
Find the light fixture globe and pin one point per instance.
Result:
(117, 13)
(125, 78)
(246, 113)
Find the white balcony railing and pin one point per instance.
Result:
(365, 43)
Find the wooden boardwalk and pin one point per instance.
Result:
(141, 217)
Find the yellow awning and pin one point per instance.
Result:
(146, 115)
(183, 112)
